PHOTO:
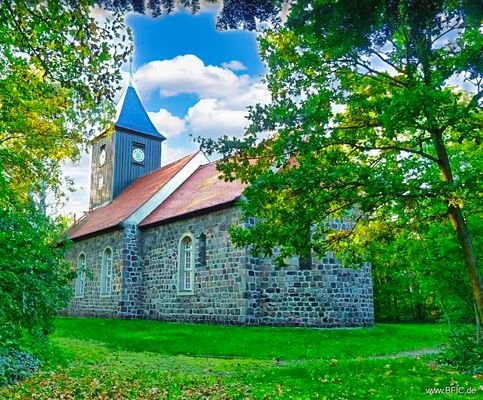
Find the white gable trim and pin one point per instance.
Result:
(174, 183)
(120, 103)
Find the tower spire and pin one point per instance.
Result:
(130, 72)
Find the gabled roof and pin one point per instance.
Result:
(133, 117)
(201, 191)
(131, 199)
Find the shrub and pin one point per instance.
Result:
(16, 365)
(35, 279)
(462, 352)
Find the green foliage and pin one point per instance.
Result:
(462, 353)
(16, 365)
(58, 68)
(235, 14)
(419, 275)
(366, 126)
(260, 364)
(34, 277)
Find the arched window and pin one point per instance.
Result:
(186, 265)
(106, 274)
(81, 275)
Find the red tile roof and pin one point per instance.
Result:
(133, 197)
(203, 189)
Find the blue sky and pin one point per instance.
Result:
(192, 79)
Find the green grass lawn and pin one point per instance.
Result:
(116, 359)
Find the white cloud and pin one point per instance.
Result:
(166, 123)
(210, 117)
(215, 117)
(100, 14)
(224, 96)
(234, 65)
(188, 74)
(257, 92)
(174, 153)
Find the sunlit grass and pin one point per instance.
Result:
(251, 342)
(115, 359)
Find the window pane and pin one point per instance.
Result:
(79, 282)
(187, 261)
(186, 264)
(106, 272)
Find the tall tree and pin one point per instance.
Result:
(369, 122)
(58, 66)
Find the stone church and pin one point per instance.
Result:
(155, 245)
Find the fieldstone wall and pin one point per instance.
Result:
(92, 303)
(231, 286)
(327, 295)
(132, 289)
(219, 280)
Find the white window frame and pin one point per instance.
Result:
(81, 275)
(106, 272)
(186, 275)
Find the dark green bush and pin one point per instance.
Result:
(35, 282)
(16, 365)
(35, 279)
(462, 352)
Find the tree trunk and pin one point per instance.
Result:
(459, 224)
(478, 326)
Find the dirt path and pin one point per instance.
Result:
(408, 354)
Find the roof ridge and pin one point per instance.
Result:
(166, 166)
(209, 164)
(179, 159)
(197, 193)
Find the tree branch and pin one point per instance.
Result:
(474, 100)
(12, 138)
(378, 75)
(27, 41)
(387, 61)
(45, 21)
(383, 148)
(445, 32)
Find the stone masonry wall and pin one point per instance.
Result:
(327, 295)
(323, 295)
(231, 286)
(132, 289)
(92, 303)
(219, 281)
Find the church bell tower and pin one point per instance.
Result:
(133, 150)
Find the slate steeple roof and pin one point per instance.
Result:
(132, 116)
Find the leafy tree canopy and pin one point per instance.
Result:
(58, 66)
(235, 14)
(366, 125)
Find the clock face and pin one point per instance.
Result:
(102, 157)
(138, 155)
